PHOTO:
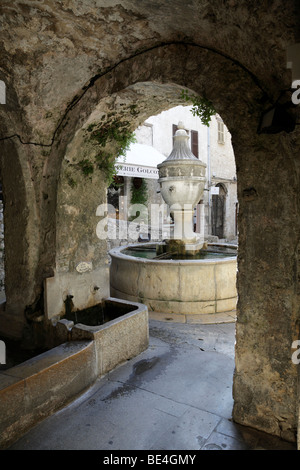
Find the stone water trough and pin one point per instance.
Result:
(92, 343)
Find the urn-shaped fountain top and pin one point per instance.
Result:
(181, 149)
(181, 161)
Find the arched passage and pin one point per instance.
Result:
(267, 309)
(126, 95)
(253, 154)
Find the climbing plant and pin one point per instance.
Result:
(139, 195)
(104, 141)
(201, 107)
(116, 130)
(86, 167)
(139, 191)
(112, 133)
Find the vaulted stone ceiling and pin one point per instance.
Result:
(52, 50)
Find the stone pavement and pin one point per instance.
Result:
(176, 395)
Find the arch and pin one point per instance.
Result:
(256, 157)
(132, 91)
(139, 80)
(209, 73)
(264, 317)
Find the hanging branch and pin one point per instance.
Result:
(201, 107)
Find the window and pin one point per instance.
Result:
(221, 134)
(144, 134)
(194, 143)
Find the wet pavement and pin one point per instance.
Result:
(176, 395)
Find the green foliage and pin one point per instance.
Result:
(139, 194)
(105, 141)
(116, 131)
(110, 131)
(106, 163)
(133, 110)
(202, 107)
(70, 180)
(86, 167)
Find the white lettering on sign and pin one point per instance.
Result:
(137, 171)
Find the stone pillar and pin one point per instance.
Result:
(22, 229)
(183, 223)
(265, 379)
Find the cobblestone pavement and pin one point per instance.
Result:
(176, 395)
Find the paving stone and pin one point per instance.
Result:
(173, 396)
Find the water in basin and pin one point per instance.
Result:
(205, 254)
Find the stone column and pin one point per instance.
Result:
(265, 379)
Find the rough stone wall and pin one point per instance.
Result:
(268, 314)
(22, 229)
(59, 47)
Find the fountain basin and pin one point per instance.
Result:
(118, 328)
(177, 286)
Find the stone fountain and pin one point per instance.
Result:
(181, 275)
(182, 181)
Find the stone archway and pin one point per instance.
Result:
(256, 311)
(210, 60)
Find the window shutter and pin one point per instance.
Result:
(194, 143)
(221, 136)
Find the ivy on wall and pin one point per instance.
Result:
(201, 107)
(117, 134)
(104, 142)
